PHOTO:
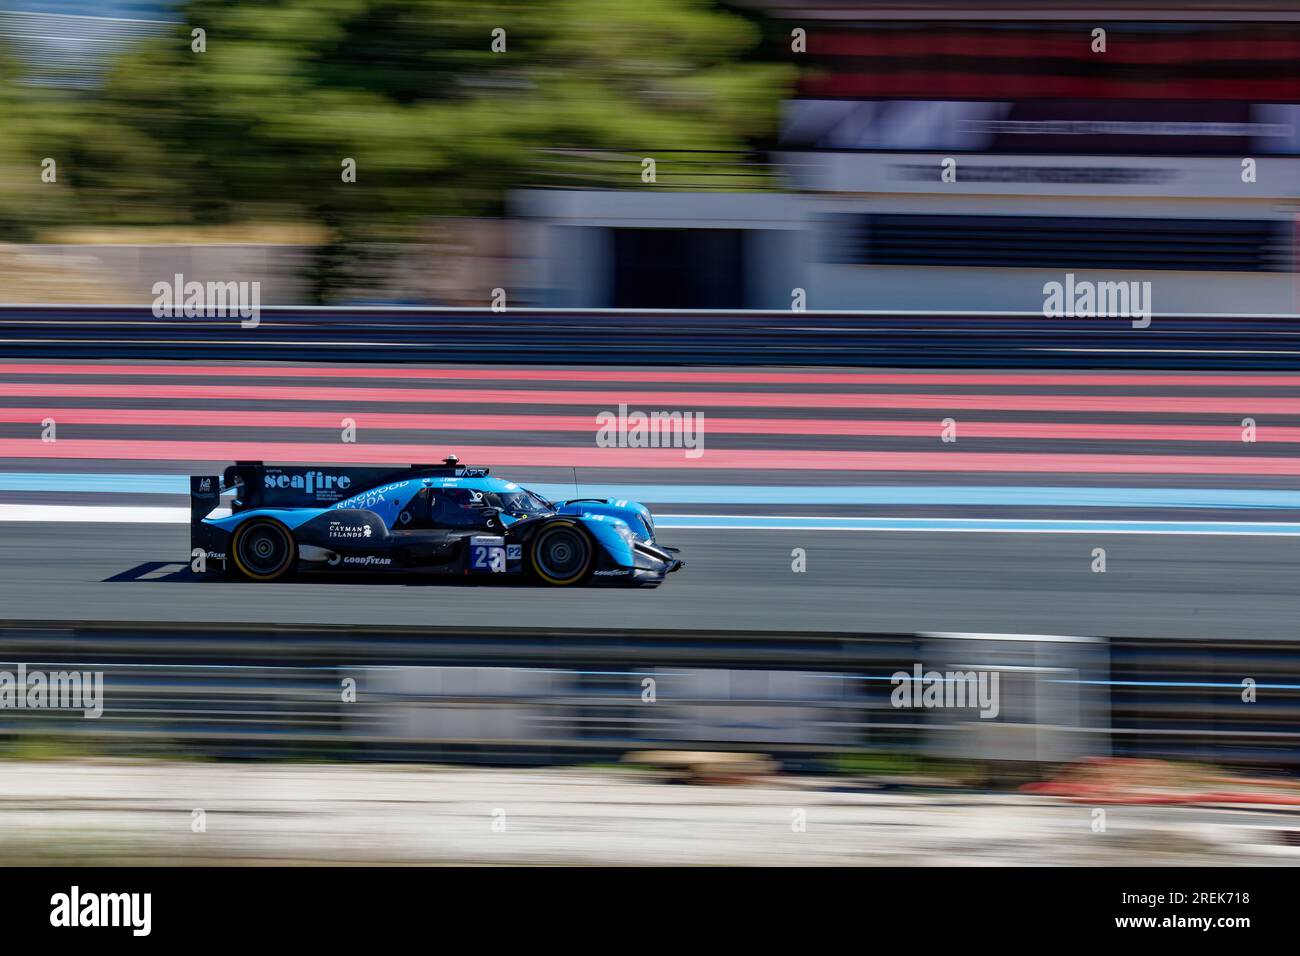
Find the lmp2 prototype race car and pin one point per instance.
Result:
(423, 519)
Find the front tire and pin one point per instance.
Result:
(562, 554)
(263, 550)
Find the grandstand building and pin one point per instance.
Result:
(960, 156)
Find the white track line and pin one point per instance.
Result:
(127, 514)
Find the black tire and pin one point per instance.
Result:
(263, 550)
(562, 554)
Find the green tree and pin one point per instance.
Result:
(257, 127)
(25, 200)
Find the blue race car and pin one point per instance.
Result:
(423, 519)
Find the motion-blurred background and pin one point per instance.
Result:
(794, 145)
(683, 155)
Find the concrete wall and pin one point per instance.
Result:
(1011, 289)
(565, 245)
(114, 274)
(460, 263)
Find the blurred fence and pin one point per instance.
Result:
(537, 696)
(987, 340)
(1185, 699)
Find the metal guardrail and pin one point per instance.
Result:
(658, 337)
(1184, 699)
(526, 695)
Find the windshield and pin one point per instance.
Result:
(522, 503)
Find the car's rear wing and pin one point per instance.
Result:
(205, 495)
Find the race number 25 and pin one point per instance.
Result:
(488, 557)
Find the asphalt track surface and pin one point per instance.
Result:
(1042, 445)
(1173, 586)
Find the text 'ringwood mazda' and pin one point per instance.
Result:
(423, 519)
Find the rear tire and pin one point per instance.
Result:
(263, 550)
(562, 554)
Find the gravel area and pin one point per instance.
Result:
(135, 813)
